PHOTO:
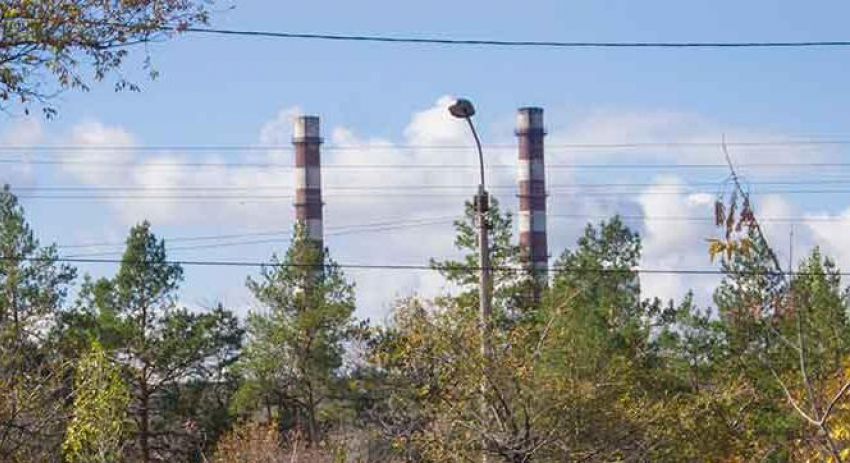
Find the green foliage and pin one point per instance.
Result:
(511, 288)
(579, 377)
(297, 337)
(95, 433)
(32, 409)
(751, 290)
(47, 45)
(165, 349)
(599, 284)
(33, 287)
(592, 371)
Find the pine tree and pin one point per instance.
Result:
(511, 286)
(33, 286)
(599, 283)
(297, 336)
(164, 347)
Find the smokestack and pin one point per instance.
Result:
(532, 191)
(306, 138)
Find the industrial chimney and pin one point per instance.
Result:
(532, 191)
(306, 138)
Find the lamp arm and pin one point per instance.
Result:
(480, 152)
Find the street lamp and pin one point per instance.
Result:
(463, 109)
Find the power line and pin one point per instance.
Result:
(401, 267)
(395, 225)
(642, 166)
(336, 231)
(707, 219)
(390, 147)
(403, 40)
(401, 196)
(424, 186)
(175, 239)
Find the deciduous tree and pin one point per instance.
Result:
(96, 431)
(50, 45)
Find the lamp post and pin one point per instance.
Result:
(463, 109)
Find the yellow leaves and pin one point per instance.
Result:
(715, 247)
(728, 248)
(100, 403)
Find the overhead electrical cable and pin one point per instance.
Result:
(492, 43)
(414, 187)
(398, 196)
(335, 231)
(395, 225)
(707, 219)
(395, 267)
(46, 149)
(100, 164)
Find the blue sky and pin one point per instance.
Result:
(240, 91)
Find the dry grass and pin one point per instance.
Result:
(250, 442)
(257, 442)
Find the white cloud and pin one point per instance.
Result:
(350, 199)
(23, 133)
(672, 241)
(93, 165)
(699, 140)
(155, 181)
(163, 177)
(278, 132)
(434, 126)
(829, 231)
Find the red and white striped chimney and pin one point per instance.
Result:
(532, 190)
(306, 137)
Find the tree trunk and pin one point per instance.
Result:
(311, 418)
(144, 425)
(144, 411)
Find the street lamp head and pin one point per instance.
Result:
(462, 109)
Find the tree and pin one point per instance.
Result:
(32, 411)
(817, 318)
(576, 378)
(95, 433)
(46, 45)
(510, 286)
(600, 282)
(164, 348)
(33, 286)
(605, 344)
(296, 341)
(429, 400)
(788, 337)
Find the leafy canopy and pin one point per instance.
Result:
(50, 45)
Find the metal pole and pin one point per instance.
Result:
(463, 109)
(484, 289)
(482, 206)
